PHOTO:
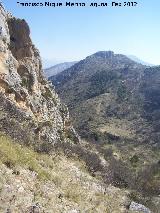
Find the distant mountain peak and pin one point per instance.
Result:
(104, 54)
(138, 60)
(53, 70)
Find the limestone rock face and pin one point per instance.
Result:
(138, 207)
(30, 110)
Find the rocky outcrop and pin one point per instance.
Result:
(30, 110)
(138, 207)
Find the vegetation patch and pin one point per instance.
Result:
(14, 155)
(47, 94)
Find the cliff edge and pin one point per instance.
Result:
(30, 110)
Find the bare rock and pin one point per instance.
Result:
(138, 207)
(25, 93)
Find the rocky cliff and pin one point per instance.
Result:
(30, 110)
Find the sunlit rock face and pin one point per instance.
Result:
(30, 110)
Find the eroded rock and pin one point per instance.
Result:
(138, 207)
(30, 109)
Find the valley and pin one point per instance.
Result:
(114, 104)
(88, 142)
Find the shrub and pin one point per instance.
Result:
(148, 180)
(100, 82)
(134, 160)
(122, 175)
(122, 92)
(47, 94)
(91, 159)
(108, 153)
(25, 82)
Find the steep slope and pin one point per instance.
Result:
(30, 110)
(34, 182)
(58, 68)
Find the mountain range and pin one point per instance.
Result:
(58, 68)
(114, 103)
(106, 87)
(136, 59)
(100, 155)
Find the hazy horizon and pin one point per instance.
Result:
(71, 34)
(47, 63)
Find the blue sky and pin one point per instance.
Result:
(68, 34)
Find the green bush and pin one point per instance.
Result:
(134, 160)
(122, 92)
(47, 94)
(148, 180)
(100, 82)
(25, 82)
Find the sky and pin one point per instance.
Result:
(70, 34)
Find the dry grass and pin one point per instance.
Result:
(118, 127)
(14, 155)
(59, 179)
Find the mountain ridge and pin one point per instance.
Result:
(138, 60)
(53, 70)
(114, 104)
(88, 66)
(115, 77)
